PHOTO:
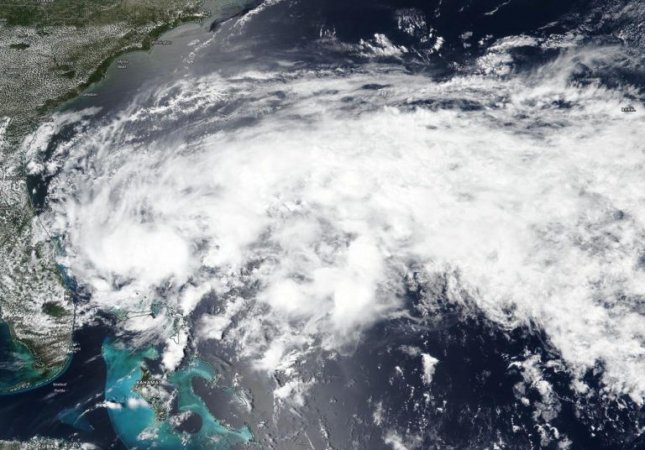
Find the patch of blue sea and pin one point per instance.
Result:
(136, 422)
(105, 368)
(66, 408)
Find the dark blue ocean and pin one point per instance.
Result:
(474, 397)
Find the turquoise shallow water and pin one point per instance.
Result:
(139, 426)
(75, 417)
(17, 364)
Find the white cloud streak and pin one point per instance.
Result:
(535, 209)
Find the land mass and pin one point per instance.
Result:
(50, 50)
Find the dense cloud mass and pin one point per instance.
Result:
(301, 201)
(324, 203)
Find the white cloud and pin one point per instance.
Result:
(111, 405)
(320, 208)
(428, 363)
(174, 349)
(134, 403)
(398, 442)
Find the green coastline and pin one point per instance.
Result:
(26, 354)
(52, 105)
(37, 372)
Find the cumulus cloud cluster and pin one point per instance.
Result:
(304, 222)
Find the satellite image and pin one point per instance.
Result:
(322, 224)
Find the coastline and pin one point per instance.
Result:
(145, 44)
(42, 113)
(21, 389)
